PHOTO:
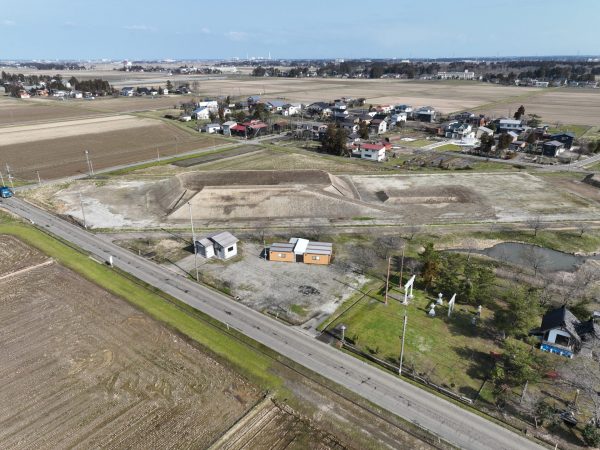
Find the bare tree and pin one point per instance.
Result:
(583, 227)
(536, 224)
(534, 258)
(412, 230)
(583, 373)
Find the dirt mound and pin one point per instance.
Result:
(197, 180)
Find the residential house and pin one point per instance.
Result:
(76, 94)
(552, 149)
(23, 94)
(517, 146)
(566, 138)
(350, 126)
(212, 105)
(249, 129)
(405, 109)
(458, 130)
(223, 245)
(201, 113)
(321, 108)
(211, 128)
(127, 91)
(509, 125)
(372, 152)
(378, 126)
(514, 136)
(398, 117)
(384, 109)
(425, 114)
(291, 109)
(226, 127)
(483, 130)
(275, 105)
(564, 334)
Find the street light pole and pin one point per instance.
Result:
(89, 163)
(402, 347)
(194, 243)
(343, 328)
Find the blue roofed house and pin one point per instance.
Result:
(566, 138)
(275, 105)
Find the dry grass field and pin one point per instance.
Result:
(18, 112)
(82, 368)
(57, 150)
(563, 106)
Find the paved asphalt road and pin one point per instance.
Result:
(447, 420)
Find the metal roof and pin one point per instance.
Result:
(281, 247)
(224, 239)
(300, 247)
(205, 242)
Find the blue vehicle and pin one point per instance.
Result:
(5, 192)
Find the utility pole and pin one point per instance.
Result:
(10, 178)
(157, 155)
(82, 211)
(387, 280)
(39, 179)
(2, 178)
(343, 328)
(194, 243)
(402, 346)
(400, 281)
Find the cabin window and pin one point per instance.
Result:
(316, 258)
(280, 255)
(230, 249)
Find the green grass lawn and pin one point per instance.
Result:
(449, 148)
(449, 351)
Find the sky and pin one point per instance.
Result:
(151, 29)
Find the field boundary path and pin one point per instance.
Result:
(27, 269)
(442, 418)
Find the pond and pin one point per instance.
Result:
(529, 255)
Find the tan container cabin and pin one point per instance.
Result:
(282, 252)
(318, 253)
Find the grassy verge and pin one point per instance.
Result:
(448, 148)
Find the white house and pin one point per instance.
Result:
(291, 109)
(127, 92)
(201, 113)
(379, 126)
(222, 245)
(399, 117)
(211, 128)
(483, 130)
(210, 104)
(372, 152)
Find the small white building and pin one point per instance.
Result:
(399, 117)
(222, 245)
(372, 152)
(127, 92)
(211, 128)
